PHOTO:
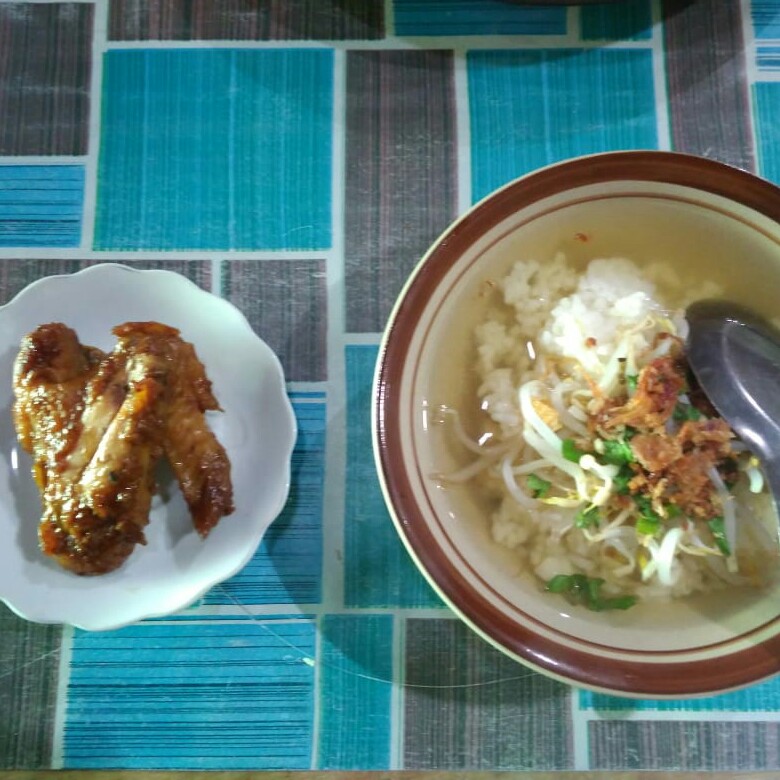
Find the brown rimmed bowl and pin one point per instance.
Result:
(699, 215)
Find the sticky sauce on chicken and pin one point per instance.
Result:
(96, 426)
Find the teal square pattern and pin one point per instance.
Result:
(356, 677)
(535, 107)
(378, 572)
(41, 205)
(766, 19)
(766, 96)
(216, 696)
(763, 697)
(287, 567)
(632, 21)
(216, 149)
(476, 17)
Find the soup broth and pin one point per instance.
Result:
(689, 251)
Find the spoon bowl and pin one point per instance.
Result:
(735, 356)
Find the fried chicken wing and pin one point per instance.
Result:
(93, 426)
(51, 372)
(199, 461)
(97, 424)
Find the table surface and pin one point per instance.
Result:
(297, 157)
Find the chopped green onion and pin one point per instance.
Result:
(617, 452)
(571, 451)
(644, 505)
(649, 521)
(586, 591)
(632, 380)
(539, 487)
(586, 518)
(719, 534)
(648, 526)
(621, 480)
(672, 511)
(559, 583)
(684, 412)
(594, 586)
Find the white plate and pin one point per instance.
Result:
(257, 428)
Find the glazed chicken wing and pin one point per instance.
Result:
(51, 373)
(94, 447)
(96, 426)
(198, 460)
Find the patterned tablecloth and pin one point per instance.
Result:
(296, 157)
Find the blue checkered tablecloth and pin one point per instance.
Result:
(297, 157)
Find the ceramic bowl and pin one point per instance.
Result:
(700, 216)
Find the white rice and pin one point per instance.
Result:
(552, 308)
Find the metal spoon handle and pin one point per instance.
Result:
(735, 356)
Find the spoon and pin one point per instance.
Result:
(735, 356)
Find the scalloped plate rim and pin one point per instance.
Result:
(29, 612)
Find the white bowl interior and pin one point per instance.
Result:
(701, 236)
